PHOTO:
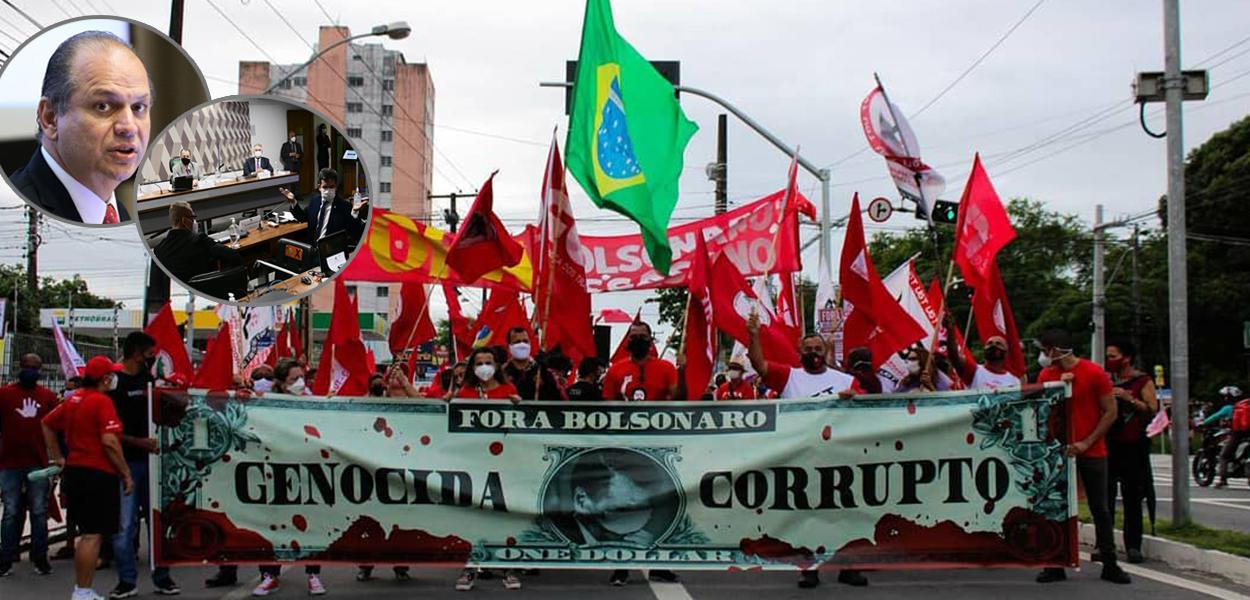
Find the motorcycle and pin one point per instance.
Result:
(1206, 465)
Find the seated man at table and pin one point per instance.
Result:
(184, 252)
(257, 162)
(185, 167)
(327, 213)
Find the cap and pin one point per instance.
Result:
(100, 366)
(996, 340)
(734, 364)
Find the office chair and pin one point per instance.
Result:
(221, 284)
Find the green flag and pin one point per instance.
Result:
(626, 132)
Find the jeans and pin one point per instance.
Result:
(1226, 453)
(1129, 466)
(125, 543)
(1093, 473)
(19, 496)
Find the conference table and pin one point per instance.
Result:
(285, 290)
(226, 198)
(262, 239)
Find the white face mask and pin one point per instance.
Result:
(112, 383)
(1043, 359)
(913, 366)
(327, 194)
(735, 375)
(292, 140)
(484, 372)
(520, 350)
(256, 153)
(296, 387)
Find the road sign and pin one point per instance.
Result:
(879, 210)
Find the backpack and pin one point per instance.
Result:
(1241, 416)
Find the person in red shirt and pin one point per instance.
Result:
(23, 406)
(484, 380)
(1091, 410)
(641, 376)
(735, 388)
(95, 473)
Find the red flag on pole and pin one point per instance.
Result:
(936, 298)
(560, 273)
(699, 335)
(614, 315)
(344, 368)
(732, 303)
(461, 332)
(482, 244)
(501, 313)
(875, 317)
(993, 315)
(217, 370)
(172, 362)
(622, 349)
(788, 306)
(412, 326)
(983, 227)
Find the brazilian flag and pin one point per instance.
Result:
(626, 132)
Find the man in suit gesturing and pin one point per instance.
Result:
(257, 162)
(94, 122)
(327, 213)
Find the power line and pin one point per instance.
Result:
(1222, 52)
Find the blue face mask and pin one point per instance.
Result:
(28, 377)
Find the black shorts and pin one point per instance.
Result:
(93, 500)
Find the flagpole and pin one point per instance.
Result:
(548, 257)
(425, 307)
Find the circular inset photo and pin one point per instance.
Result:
(252, 200)
(78, 102)
(611, 496)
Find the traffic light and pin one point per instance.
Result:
(945, 211)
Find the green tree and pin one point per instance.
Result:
(52, 293)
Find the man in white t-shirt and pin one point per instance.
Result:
(993, 374)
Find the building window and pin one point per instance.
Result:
(386, 161)
(383, 291)
(388, 85)
(355, 81)
(300, 81)
(353, 132)
(351, 290)
(388, 135)
(388, 110)
(385, 187)
(355, 107)
(286, 84)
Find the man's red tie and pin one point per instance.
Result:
(110, 215)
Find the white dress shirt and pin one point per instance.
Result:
(91, 207)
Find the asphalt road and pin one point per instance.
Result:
(1227, 508)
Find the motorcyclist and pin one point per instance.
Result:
(1229, 398)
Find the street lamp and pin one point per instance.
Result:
(397, 30)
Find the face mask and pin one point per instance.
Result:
(296, 387)
(28, 377)
(186, 161)
(256, 153)
(148, 363)
(639, 346)
(484, 372)
(812, 361)
(326, 195)
(520, 350)
(995, 354)
(292, 140)
(1115, 365)
(913, 367)
(1043, 359)
(112, 383)
(735, 375)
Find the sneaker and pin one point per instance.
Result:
(85, 594)
(1135, 556)
(222, 578)
(1051, 575)
(511, 581)
(42, 566)
(1221, 484)
(401, 574)
(6, 569)
(124, 590)
(618, 578)
(364, 573)
(268, 585)
(465, 582)
(166, 587)
(1115, 574)
(809, 579)
(315, 588)
(852, 578)
(662, 576)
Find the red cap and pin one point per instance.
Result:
(100, 366)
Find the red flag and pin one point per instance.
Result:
(282, 345)
(699, 335)
(983, 228)
(172, 362)
(344, 368)
(412, 326)
(461, 333)
(936, 298)
(875, 318)
(622, 349)
(793, 200)
(501, 313)
(614, 315)
(217, 369)
(297, 342)
(993, 314)
(561, 302)
(788, 306)
(732, 303)
(482, 244)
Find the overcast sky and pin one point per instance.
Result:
(799, 67)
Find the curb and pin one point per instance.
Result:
(1183, 556)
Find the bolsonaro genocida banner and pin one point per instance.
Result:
(937, 480)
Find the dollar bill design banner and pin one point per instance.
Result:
(937, 480)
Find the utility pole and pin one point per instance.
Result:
(450, 215)
(1178, 296)
(1099, 345)
(1136, 293)
(190, 323)
(32, 258)
(720, 171)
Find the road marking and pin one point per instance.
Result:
(1213, 502)
(1180, 582)
(667, 591)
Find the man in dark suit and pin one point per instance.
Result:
(184, 252)
(257, 162)
(327, 213)
(292, 152)
(94, 122)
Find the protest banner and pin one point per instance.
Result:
(957, 479)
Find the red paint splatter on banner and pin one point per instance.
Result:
(898, 444)
(425, 440)
(826, 433)
(202, 535)
(1025, 539)
(225, 458)
(759, 511)
(389, 432)
(971, 438)
(988, 508)
(511, 541)
(911, 407)
(273, 528)
(215, 504)
(496, 448)
(379, 425)
(366, 540)
(325, 453)
(295, 545)
(300, 522)
(312, 431)
(775, 550)
(407, 448)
